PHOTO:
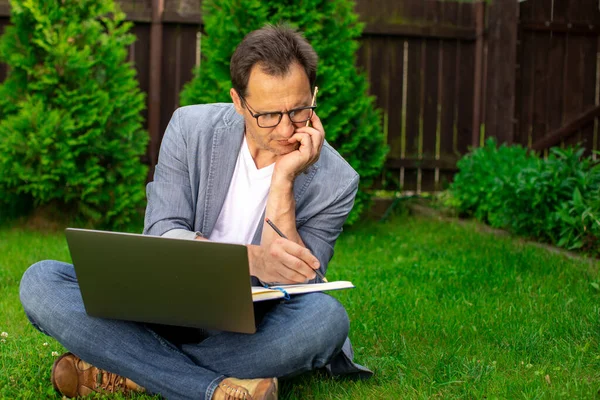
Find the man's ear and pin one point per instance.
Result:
(237, 102)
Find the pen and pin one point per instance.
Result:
(276, 229)
(314, 102)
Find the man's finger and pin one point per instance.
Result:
(302, 253)
(316, 133)
(288, 275)
(306, 141)
(287, 255)
(316, 123)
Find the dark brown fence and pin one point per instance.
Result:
(424, 62)
(557, 85)
(446, 74)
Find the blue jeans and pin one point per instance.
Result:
(295, 336)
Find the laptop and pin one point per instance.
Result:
(153, 279)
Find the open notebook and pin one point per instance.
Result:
(260, 293)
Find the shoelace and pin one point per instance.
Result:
(235, 393)
(113, 381)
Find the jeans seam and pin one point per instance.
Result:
(212, 386)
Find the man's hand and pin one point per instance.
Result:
(310, 140)
(282, 261)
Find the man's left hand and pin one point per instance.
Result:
(311, 140)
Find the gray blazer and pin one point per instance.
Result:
(196, 163)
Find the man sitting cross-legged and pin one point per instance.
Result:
(222, 169)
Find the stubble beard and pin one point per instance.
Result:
(264, 145)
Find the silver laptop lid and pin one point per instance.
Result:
(153, 279)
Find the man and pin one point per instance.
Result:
(223, 168)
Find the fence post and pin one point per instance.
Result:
(154, 94)
(478, 87)
(502, 29)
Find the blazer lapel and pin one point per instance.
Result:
(227, 141)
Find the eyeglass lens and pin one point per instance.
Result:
(297, 116)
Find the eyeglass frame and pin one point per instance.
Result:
(256, 115)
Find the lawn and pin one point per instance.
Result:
(439, 310)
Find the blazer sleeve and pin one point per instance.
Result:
(320, 232)
(170, 198)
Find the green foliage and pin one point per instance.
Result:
(353, 125)
(556, 199)
(71, 132)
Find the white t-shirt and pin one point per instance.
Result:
(245, 202)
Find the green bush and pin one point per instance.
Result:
(556, 199)
(352, 124)
(485, 175)
(71, 133)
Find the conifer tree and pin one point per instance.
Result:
(71, 133)
(352, 124)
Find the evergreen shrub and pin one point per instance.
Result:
(555, 199)
(71, 133)
(352, 123)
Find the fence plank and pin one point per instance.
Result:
(525, 90)
(430, 101)
(590, 14)
(414, 115)
(430, 110)
(396, 104)
(379, 72)
(555, 94)
(466, 86)
(414, 10)
(574, 82)
(500, 71)
(541, 48)
(139, 54)
(448, 95)
(177, 39)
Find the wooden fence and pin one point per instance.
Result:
(446, 74)
(424, 61)
(557, 79)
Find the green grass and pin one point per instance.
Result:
(439, 310)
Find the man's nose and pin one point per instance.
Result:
(286, 126)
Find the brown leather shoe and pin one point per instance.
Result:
(246, 389)
(73, 377)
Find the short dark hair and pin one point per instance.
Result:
(275, 48)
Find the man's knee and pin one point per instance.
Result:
(37, 282)
(329, 324)
(332, 311)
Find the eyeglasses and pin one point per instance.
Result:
(272, 119)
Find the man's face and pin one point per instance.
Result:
(266, 93)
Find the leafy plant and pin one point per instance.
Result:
(71, 132)
(353, 125)
(556, 199)
(485, 175)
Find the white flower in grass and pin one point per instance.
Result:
(55, 354)
(2, 340)
(45, 344)
(4, 334)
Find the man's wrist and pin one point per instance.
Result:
(254, 259)
(282, 182)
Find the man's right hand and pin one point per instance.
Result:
(283, 261)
